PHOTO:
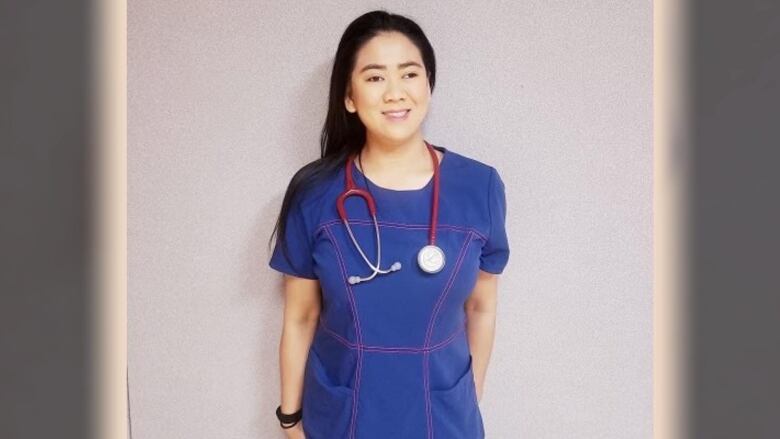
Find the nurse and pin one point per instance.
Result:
(391, 248)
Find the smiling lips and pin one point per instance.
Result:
(396, 115)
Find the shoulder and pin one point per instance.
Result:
(318, 186)
(471, 188)
(314, 181)
(471, 173)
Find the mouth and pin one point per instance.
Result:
(396, 114)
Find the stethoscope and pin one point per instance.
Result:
(430, 258)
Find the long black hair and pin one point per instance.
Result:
(343, 134)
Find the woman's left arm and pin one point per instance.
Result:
(481, 324)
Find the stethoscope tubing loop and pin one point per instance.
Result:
(341, 201)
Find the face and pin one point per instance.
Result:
(389, 75)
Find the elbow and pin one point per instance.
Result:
(313, 317)
(302, 316)
(480, 307)
(308, 318)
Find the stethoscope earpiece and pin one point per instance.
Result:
(357, 279)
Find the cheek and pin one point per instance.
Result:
(422, 103)
(423, 92)
(367, 100)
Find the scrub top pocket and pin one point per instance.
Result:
(326, 406)
(455, 411)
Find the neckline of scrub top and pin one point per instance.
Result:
(428, 185)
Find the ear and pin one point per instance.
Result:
(348, 103)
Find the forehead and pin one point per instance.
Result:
(387, 48)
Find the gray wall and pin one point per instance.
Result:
(225, 102)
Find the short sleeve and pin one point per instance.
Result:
(495, 251)
(299, 247)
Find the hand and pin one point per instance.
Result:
(295, 432)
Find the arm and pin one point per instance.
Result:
(481, 323)
(302, 307)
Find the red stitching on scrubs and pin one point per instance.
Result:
(355, 391)
(431, 322)
(426, 349)
(392, 349)
(403, 226)
(437, 346)
(335, 335)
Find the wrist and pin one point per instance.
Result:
(288, 420)
(289, 409)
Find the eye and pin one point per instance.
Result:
(370, 79)
(412, 74)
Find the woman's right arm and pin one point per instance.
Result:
(302, 305)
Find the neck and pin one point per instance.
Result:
(394, 156)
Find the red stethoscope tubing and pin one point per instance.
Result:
(351, 190)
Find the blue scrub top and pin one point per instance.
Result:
(390, 357)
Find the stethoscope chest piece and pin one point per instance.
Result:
(430, 259)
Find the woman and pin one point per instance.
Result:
(388, 326)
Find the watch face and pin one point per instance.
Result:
(430, 259)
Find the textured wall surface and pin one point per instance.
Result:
(225, 102)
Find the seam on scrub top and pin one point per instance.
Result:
(361, 222)
(432, 322)
(356, 390)
(392, 349)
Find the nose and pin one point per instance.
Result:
(394, 90)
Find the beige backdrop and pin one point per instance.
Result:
(225, 102)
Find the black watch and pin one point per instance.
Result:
(288, 419)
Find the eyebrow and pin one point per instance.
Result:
(384, 67)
